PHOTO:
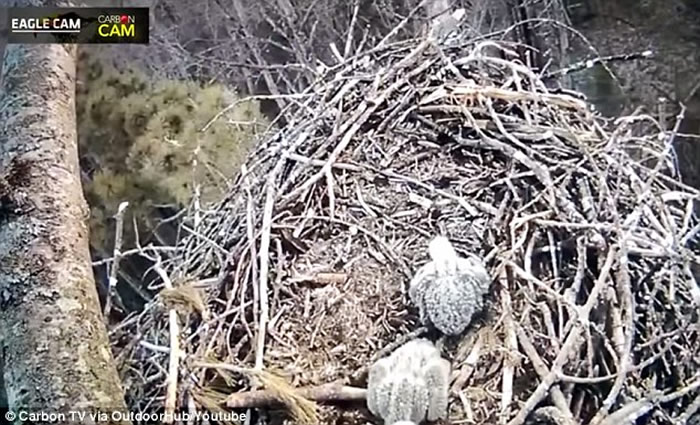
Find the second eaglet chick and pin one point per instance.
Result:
(410, 385)
(449, 289)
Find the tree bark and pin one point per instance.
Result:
(52, 337)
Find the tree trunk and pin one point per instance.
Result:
(52, 337)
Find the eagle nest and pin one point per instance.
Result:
(277, 299)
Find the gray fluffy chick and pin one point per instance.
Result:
(410, 385)
(449, 289)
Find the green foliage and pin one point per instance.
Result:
(141, 141)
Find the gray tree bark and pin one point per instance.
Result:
(52, 337)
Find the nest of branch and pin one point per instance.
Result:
(303, 267)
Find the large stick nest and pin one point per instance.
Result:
(582, 222)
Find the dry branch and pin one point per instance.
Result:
(328, 393)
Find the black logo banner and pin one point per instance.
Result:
(83, 25)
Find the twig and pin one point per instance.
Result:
(134, 251)
(511, 345)
(175, 353)
(590, 63)
(271, 192)
(351, 29)
(329, 393)
(114, 269)
(470, 364)
(541, 369)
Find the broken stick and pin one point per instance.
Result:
(323, 393)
